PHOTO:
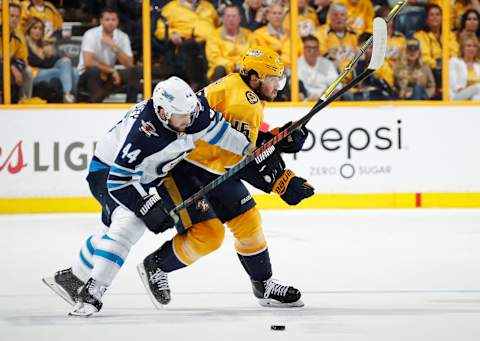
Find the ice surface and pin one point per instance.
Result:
(365, 275)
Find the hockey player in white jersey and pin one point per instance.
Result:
(132, 159)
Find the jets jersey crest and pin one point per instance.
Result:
(140, 150)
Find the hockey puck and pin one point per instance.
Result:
(277, 327)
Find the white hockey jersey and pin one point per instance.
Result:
(139, 150)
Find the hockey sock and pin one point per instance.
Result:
(83, 266)
(109, 256)
(257, 266)
(165, 258)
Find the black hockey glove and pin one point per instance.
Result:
(264, 174)
(292, 189)
(293, 143)
(272, 176)
(150, 209)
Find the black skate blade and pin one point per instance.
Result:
(57, 289)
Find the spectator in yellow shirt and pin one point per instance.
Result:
(431, 43)
(337, 41)
(190, 24)
(469, 24)
(274, 34)
(360, 15)
(188, 19)
(459, 8)
(307, 20)
(17, 2)
(275, 37)
(20, 73)
(47, 12)
(228, 43)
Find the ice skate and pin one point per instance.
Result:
(65, 284)
(271, 293)
(155, 282)
(89, 300)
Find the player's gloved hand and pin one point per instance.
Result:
(150, 209)
(263, 175)
(292, 189)
(293, 143)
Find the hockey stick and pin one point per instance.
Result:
(393, 12)
(379, 40)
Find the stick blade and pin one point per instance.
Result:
(379, 43)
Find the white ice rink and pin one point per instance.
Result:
(410, 275)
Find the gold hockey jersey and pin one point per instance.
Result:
(242, 108)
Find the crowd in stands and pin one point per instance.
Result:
(75, 51)
(91, 50)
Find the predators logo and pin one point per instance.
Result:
(251, 97)
(202, 205)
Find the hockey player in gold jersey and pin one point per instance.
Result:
(240, 97)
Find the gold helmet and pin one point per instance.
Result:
(264, 61)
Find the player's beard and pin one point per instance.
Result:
(179, 129)
(264, 97)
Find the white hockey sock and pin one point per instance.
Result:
(109, 257)
(83, 266)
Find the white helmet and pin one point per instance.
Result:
(175, 96)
